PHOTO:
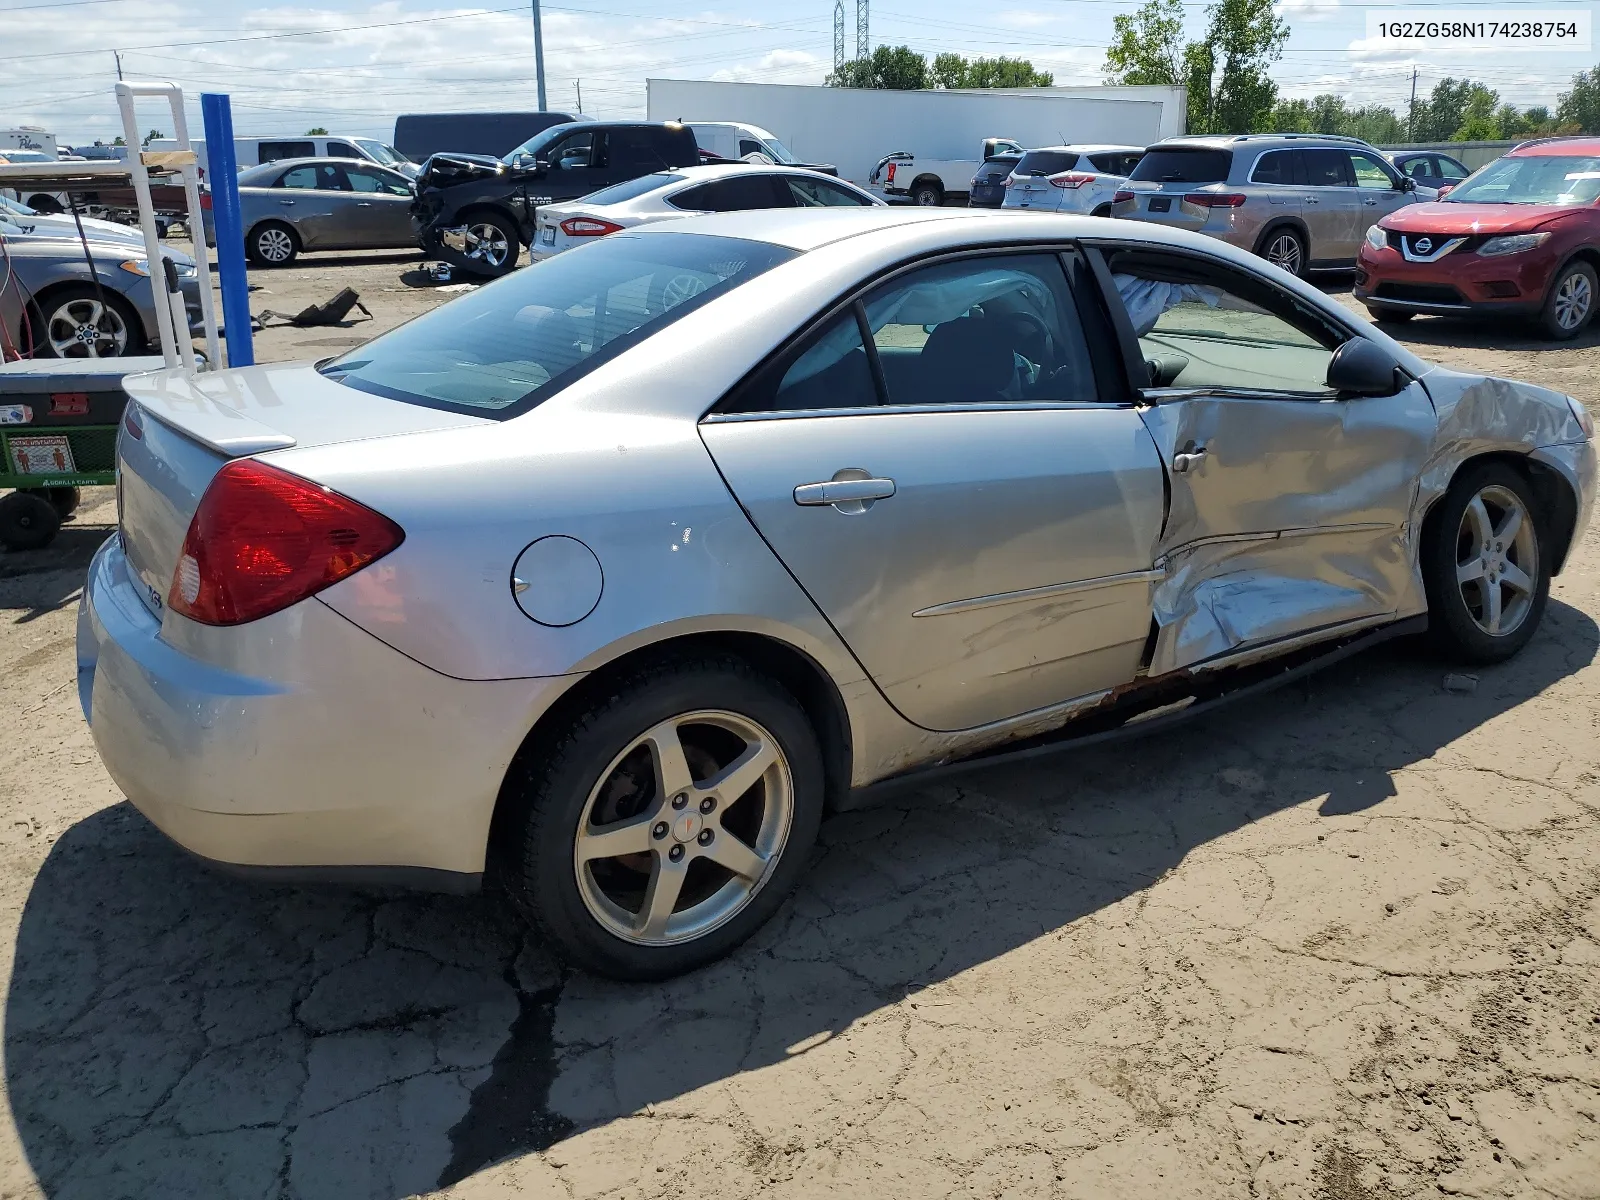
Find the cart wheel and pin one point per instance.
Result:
(27, 521)
(65, 500)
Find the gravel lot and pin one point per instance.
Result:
(1340, 942)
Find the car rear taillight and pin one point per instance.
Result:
(132, 422)
(588, 227)
(263, 539)
(1074, 180)
(205, 201)
(1216, 199)
(1121, 196)
(891, 173)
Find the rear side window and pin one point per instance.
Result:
(673, 146)
(633, 150)
(504, 348)
(618, 192)
(1046, 162)
(832, 372)
(1184, 164)
(273, 151)
(1277, 166)
(1327, 168)
(1112, 164)
(734, 195)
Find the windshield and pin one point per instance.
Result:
(503, 349)
(1536, 179)
(1183, 165)
(780, 152)
(18, 207)
(26, 156)
(387, 155)
(540, 140)
(618, 192)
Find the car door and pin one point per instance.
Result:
(380, 208)
(1279, 178)
(313, 198)
(1290, 504)
(577, 166)
(1380, 190)
(1330, 204)
(966, 499)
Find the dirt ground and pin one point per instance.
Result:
(1339, 942)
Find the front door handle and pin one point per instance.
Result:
(285, 201)
(1188, 460)
(1312, 200)
(368, 203)
(848, 495)
(1370, 203)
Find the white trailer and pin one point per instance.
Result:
(28, 137)
(856, 127)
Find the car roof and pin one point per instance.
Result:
(279, 164)
(1090, 148)
(1227, 141)
(1556, 146)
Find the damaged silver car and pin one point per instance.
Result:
(613, 576)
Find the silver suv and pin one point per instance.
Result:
(1302, 201)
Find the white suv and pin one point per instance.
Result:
(1078, 179)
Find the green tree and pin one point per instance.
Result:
(152, 136)
(1293, 116)
(952, 71)
(1478, 117)
(318, 131)
(1581, 105)
(898, 68)
(1225, 73)
(1376, 124)
(119, 141)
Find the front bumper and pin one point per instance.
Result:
(1457, 284)
(297, 741)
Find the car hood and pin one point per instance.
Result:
(447, 169)
(1466, 219)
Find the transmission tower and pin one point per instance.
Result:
(863, 37)
(838, 36)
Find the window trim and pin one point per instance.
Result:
(782, 356)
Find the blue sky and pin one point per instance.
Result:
(352, 66)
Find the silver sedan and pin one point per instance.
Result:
(309, 204)
(613, 576)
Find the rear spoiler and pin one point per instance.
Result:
(173, 399)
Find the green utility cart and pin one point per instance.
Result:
(58, 433)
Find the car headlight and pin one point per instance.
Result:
(1584, 418)
(1377, 238)
(1512, 243)
(141, 266)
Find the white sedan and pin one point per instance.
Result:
(666, 195)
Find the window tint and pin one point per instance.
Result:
(1113, 163)
(832, 372)
(618, 192)
(1369, 172)
(996, 169)
(1275, 166)
(381, 182)
(323, 177)
(733, 195)
(672, 146)
(1046, 162)
(981, 330)
(819, 193)
(1184, 165)
(343, 150)
(632, 150)
(573, 152)
(501, 350)
(1219, 329)
(273, 151)
(1450, 169)
(1327, 168)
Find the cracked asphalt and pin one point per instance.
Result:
(1342, 941)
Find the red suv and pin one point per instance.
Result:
(1520, 238)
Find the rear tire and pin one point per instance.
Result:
(1570, 304)
(927, 195)
(1485, 565)
(1285, 247)
(272, 244)
(600, 776)
(27, 521)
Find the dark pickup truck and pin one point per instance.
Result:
(476, 212)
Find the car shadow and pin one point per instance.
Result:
(34, 582)
(172, 1031)
(336, 258)
(1522, 335)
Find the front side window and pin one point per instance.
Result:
(1369, 172)
(499, 351)
(380, 182)
(1450, 170)
(751, 146)
(1533, 179)
(1421, 168)
(1203, 326)
(576, 151)
(818, 193)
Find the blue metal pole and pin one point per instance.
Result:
(228, 224)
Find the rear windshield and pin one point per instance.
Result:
(1046, 162)
(996, 168)
(618, 192)
(1183, 165)
(1533, 179)
(499, 351)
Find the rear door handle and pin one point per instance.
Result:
(368, 203)
(851, 495)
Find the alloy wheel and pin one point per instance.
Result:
(685, 826)
(1497, 560)
(275, 245)
(1284, 251)
(86, 328)
(1574, 297)
(487, 244)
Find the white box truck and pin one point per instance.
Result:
(856, 128)
(28, 137)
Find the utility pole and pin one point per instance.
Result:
(117, 54)
(538, 54)
(578, 83)
(863, 37)
(1411, 113)
(838, 36)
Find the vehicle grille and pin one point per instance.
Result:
(1420, 293)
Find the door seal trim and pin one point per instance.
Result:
(1047, 592)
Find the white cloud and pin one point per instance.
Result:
(1308, 11)
(1026, 18)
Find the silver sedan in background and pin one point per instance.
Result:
(300, 205)
(612, 576)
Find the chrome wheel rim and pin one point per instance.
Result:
(1497, 561)
(680, 288)
(1574, 297)
(684, 828)
(275, 245)
(486, 244)
(86, 329)
(1284, 251)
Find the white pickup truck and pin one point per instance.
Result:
(906, 177)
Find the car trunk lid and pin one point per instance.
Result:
(178, 431)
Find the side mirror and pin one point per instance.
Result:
(1407, 184)
(1449, 187)
(1363, 368)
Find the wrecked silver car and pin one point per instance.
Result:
(613, 575)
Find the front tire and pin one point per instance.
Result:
(669, 821)
(1485, 564)
(272, 244)
(1570, 304)
(493, 245)
(83, 321)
